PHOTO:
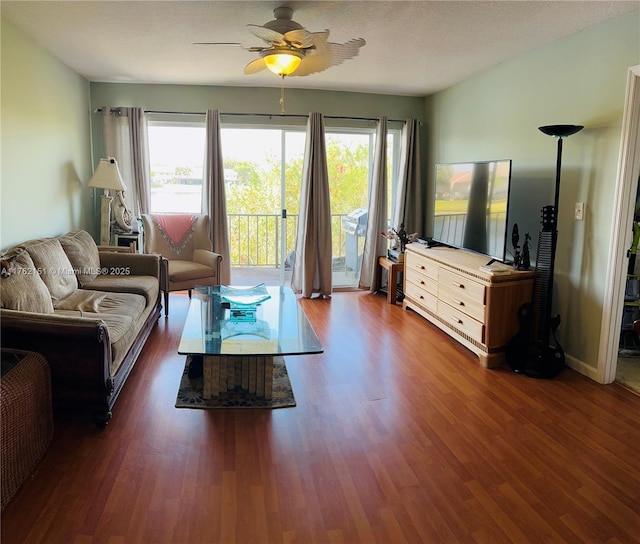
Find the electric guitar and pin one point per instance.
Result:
(535, 350)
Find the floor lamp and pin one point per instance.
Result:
(531, 351)
(106, 176)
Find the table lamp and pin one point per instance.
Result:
(106, 176)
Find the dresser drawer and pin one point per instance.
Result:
(461, 321)
(461, 284)
(421, 296)
(460, 301)
(417, 265)
(423, 282)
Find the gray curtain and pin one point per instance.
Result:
(313, 256)
(214, 200)
(375, 245)
(125, 139)
(409, 205)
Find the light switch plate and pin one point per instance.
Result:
(579, 211)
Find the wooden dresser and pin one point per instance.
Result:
(476, 308)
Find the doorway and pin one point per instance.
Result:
(624, 204)
(628, 365)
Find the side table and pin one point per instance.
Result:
(126, 240)
(393, 269)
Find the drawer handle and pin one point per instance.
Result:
(422, 282)
(459, 285)
(458, 302)
(456, 320)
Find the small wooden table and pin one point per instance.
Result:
(393, 268)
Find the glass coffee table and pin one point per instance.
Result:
(237, 342)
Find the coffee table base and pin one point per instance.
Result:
(223, 373)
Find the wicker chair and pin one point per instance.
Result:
(26, 425)
(184, 243)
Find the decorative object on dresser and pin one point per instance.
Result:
(521, 259)
(531, 351)
(449, 288)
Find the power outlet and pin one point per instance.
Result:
(579, 211)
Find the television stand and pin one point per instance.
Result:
(479, 309)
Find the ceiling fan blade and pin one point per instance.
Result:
(267, 35)
(300, 39)
(255, 66)
(327, 54)
(233, 44)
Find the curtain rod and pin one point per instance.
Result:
(274, 115)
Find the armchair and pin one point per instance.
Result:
(183, 242)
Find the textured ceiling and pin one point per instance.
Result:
(413, 48)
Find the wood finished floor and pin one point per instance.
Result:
(398, 436)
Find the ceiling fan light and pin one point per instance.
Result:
(283, 62)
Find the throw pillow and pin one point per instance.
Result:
(22, 288)
(54, 267)
(83, 254)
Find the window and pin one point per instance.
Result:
(176, 160)
(263, 173)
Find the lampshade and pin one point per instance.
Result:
(282, 61)
(560, 131)
(107, 176)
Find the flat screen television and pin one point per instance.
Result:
(472, 205)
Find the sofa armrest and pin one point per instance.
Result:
(54, 323)
(135, 264)
(209, 258)
(77, 349)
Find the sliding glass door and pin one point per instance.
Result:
(263, 169)
(263, 172)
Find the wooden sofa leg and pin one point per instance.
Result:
(166, 303)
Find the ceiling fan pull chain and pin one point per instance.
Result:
(282, 97)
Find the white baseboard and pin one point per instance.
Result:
(582, 367)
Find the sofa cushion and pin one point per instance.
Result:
(87, 301)
(147, 286)
(83, 254)
(188, 270)
(22, 288)
(55, 267)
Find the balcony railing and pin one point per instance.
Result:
(254, 239)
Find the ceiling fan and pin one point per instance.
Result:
(292, 50)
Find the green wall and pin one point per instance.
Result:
(45, 142)
(496, 114)
(298, 102)
(195, 98)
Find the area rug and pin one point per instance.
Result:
(190, 392)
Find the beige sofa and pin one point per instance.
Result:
(88, 312)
